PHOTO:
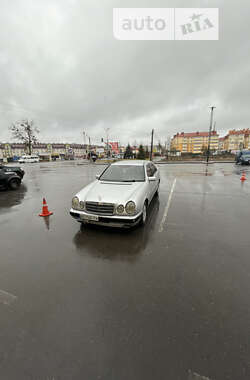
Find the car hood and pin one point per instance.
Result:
(13, 167)
(110, 192)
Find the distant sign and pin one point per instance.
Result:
(114, 147)
(99, 150)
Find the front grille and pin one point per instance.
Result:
(100, 208)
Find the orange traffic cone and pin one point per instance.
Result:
(243, 177)
(45, 211)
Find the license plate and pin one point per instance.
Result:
(94, 218)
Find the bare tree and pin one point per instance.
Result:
(159, 147)
(25, 132)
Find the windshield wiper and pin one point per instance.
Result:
(124, 180)
(129, 180)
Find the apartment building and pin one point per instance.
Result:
(9, 152)
(237, 139)
(221, 144)
(194, 142)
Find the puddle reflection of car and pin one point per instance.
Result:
(9, 198)
(119, 197)
(117, 244)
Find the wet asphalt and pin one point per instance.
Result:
(164, 301)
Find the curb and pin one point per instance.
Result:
(192, 162)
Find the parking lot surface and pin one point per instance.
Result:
(168, 301)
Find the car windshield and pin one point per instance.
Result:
(246, 156)
(124, 173)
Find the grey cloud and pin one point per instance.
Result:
(61, 66)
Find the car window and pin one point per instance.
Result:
(124, 173)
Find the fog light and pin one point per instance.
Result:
(82, 205)
(120, 209)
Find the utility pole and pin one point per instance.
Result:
(84, 141)
(90, 157)
(107, 136)
(209, 135)
(152, 142)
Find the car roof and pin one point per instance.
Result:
(131, 162)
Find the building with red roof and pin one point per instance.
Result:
(194, 142)
(237, 139)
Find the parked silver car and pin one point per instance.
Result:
(119, 197)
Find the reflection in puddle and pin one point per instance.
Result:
(10, 198)
(46, 222)
(229, 169)
(203, 174)
(240, 169)
(116, 244)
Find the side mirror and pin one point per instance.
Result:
(151, 179)
(97, 176)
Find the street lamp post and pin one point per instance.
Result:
(210, 130)
(152, 145)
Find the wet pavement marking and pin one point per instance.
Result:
(167, 207)
(7, 298)
(196, 376)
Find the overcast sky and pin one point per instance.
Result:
(62, 67)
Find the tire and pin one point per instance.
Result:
(14, 184)
(144, 214)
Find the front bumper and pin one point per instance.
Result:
(109, 221)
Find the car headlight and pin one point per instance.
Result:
(75, 203)
(120, 209)
(130, 208)
(82, 205)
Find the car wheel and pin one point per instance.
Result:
(14, 184)
(144, 214)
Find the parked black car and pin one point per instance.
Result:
(16, 169)
(9, 180)
(243, 157)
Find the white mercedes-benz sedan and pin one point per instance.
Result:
(119, 197)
